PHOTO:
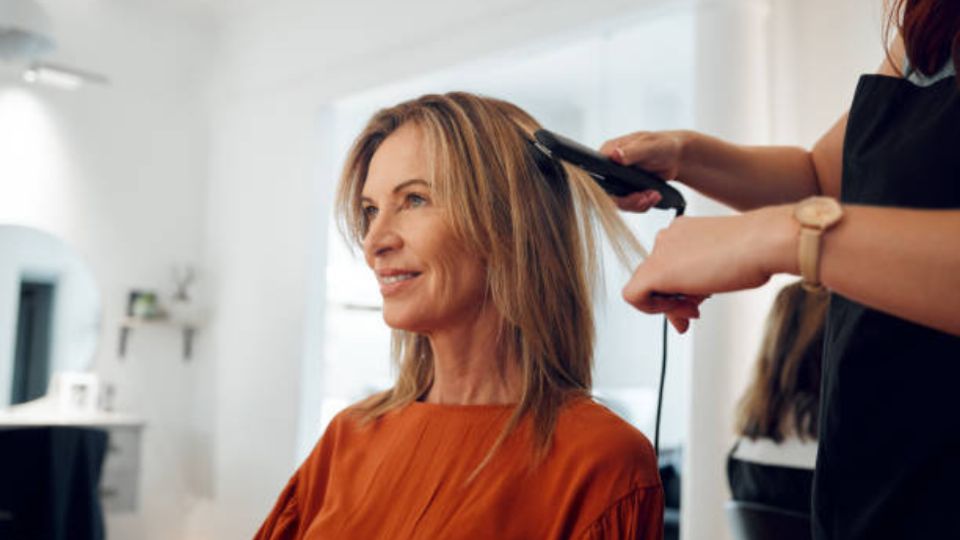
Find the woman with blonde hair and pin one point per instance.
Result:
(483, 248)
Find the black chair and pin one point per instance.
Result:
(754, 521)
(48, 483)
(670, 461)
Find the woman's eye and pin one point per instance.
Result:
(415, 201)
(369, 212)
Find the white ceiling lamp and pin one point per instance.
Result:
(63, 77)
(25, 30)
(25, 36)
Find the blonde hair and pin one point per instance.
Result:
(534, 230)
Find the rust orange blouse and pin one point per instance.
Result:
(405, 476)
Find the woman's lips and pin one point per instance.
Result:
(396, 282)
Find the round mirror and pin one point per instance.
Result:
(49, 312)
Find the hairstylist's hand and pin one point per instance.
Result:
(697, 257)
(656, 151)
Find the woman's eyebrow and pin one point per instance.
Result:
(400, 187)
(407, 183)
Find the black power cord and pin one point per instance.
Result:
(663, 371)
(663, 375)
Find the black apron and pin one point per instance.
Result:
(889, 459)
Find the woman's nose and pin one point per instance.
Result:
(382, 237)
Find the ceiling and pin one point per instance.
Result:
(215, 9)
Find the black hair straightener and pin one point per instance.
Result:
(617, 180)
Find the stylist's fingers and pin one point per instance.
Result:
(654, 151)
(650, 301)
(681, 313)
(681, 324)
(679, 310)
(658, 153)
(610, 147)
(639, 202)
(635, 148)
(629, 149)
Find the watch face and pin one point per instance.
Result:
(819, 212)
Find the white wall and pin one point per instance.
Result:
(118, 172)
(819, 48)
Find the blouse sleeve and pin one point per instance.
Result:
(283, 521)
(303, 496)
(636, 516)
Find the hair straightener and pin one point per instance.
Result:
(617, 180)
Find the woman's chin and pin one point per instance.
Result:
(405, 322)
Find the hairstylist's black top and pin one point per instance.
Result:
(889, 460)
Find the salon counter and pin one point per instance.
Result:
(119, 480)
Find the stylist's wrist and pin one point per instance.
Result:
(778, 234)
(686, 152)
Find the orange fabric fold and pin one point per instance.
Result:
(407, 475)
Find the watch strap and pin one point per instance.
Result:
(809, 257)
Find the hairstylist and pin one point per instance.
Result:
(889, 250)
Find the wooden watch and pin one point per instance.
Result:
(816, 216)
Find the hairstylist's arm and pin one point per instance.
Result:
(740, 176)
(900, 261)
(743, 177)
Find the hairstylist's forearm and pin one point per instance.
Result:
(900, 261)
(746, 177)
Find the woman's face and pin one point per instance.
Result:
(427, 279)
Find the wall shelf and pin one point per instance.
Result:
(187, 328)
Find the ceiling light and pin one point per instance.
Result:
(61, 77)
